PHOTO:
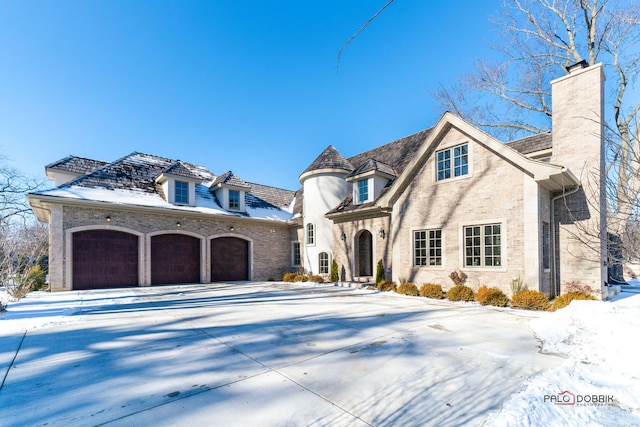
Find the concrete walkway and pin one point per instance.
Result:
(259, 354)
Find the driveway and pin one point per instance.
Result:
(259, 353)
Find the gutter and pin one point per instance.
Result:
(555, 285)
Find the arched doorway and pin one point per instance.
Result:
(364, 251)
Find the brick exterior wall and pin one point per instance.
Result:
(346, 252)
(491, 193)
(270, 241)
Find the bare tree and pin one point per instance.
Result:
(511, 96)
(23, 241)
(13, 188)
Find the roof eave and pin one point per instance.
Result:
(375, 209)
(310, 173)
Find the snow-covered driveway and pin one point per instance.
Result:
(264, 354)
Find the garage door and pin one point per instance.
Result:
(175, 258)
(104, 259)
(229, 259)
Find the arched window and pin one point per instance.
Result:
(311, 237)
(323, 263)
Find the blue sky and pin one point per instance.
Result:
(247, 86)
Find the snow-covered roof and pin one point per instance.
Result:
(131, 181)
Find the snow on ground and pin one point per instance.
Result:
(599, 383)
(597, 339)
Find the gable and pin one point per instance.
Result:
(452, 130)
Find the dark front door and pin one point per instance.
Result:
(104, 259)
(365, 258)
(175, 258)
(229, 259)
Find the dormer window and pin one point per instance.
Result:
(231, 192)
(182, 193)
(363, 190)
(234, 200)
(179, 184)
(369, 179)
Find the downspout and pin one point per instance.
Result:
(554, 282)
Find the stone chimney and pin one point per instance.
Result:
(580, 217)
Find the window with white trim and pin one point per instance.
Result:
(181, 192)
(323, 263)
(482, 245)
(452, 162)
(363, 190)
(427, 248)
(311, 235)
(234, 199)
(295, 253)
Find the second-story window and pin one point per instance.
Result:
(452, 162)
(182, 192)
(234, 199)
(363, 190)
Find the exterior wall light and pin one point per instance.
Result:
(381, 233)
(108, 218)
(231, 228)
(343, 237)
(178, 224)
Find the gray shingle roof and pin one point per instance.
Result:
(393, 156)
(180, 169)
(262, 196)
(135, 171)
(76, 165)
(531, 144)
(330, 158)
(372, 165)
(396, 154)
(231, 179)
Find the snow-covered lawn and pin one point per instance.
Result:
(304, 354)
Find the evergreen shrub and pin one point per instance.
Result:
(430, 290)
(408, 288)
(530, 300)
(491, 296)
(460, 293)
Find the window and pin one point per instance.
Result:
(323, 263)
(310, 235)
(295, 255)
(363, 190)
(460, 165)
(234, 199)
(182, 192)
(482, 246)
(427, 248)
(546, 245)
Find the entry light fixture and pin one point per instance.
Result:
(108, 218)
(231, 228)
(178, 224)
(381, 233)
(343, 237)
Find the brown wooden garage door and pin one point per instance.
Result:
(175, 258)
(229, 259)
(104, 259)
